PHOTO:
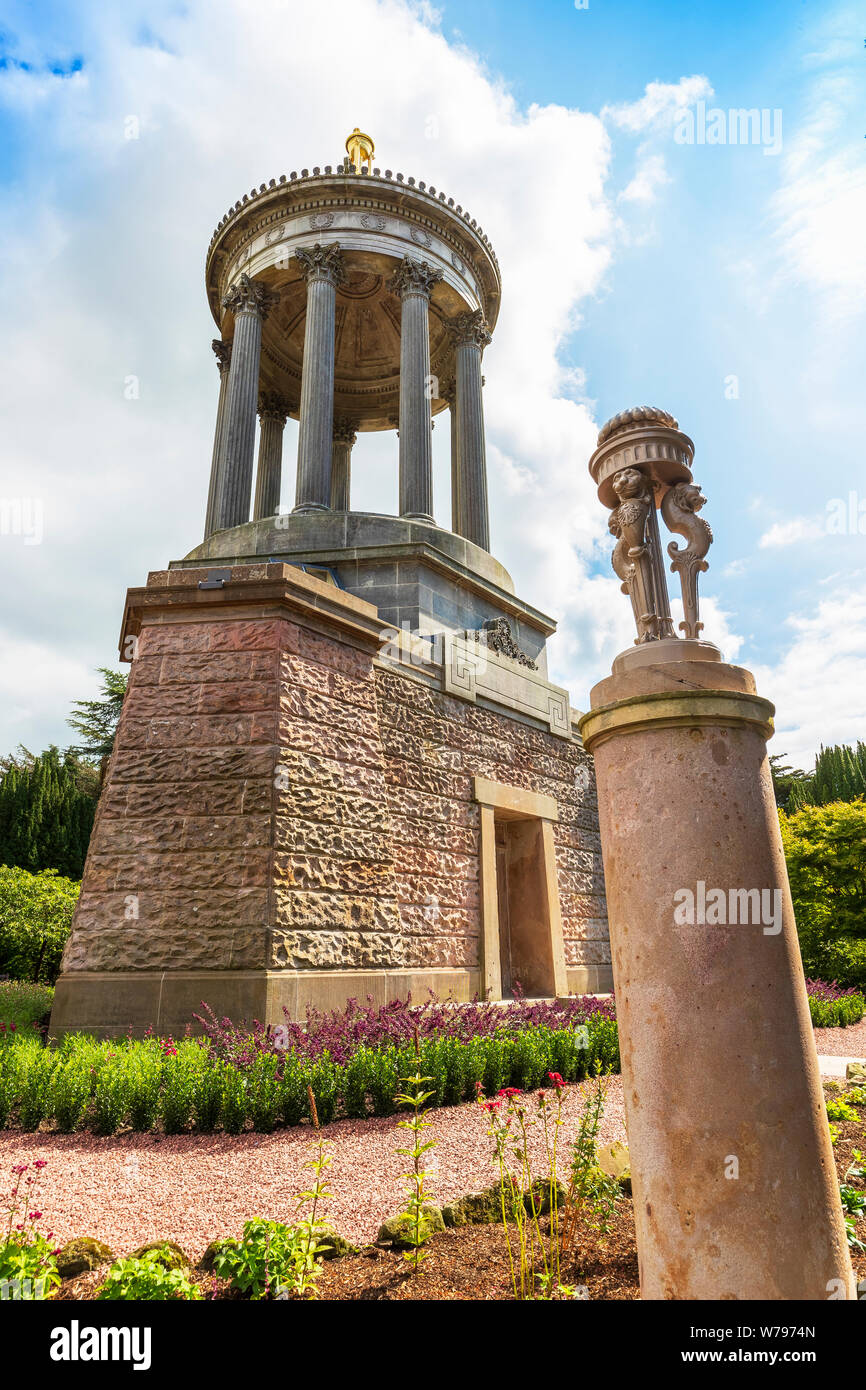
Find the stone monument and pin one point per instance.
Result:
(341, 769)
(734, 1183)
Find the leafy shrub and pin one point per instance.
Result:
(269, 1260)
(35, 1072)
(839, 1109)
(143, 1079)
(234, 1098)
(9, 1066)
(207, 1097)
(111, 1093)
(147, 1280)
(70, 1092)
(35, 918)
(832, 1007)
(28, 1264)
(264, 1092)
(182, 1064)
(825, 849)
(28, 1267)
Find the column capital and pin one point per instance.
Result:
(470, 328)
(320, 262)
(248, 296)
(273, 407)
(414, 277)
(345, 432)
(223, 353)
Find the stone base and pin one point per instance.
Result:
(109, 1005)
(289, 817)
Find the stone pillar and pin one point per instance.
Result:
(273, 413)
(224, 356)
(734, 1183)
(471, 335)
(249, 301)
(449, 394)
(414, 281)
(341, 465)
(323, 269)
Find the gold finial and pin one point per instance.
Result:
(360, 149)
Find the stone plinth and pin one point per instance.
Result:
(734, 1182)
(289, 816)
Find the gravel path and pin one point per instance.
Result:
(842, 1042)
(195, 1188)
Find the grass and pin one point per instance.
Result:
(23, 1004)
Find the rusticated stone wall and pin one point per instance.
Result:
(434, 744)
(287, 820)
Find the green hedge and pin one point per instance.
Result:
(83, 1083)
(35, 918)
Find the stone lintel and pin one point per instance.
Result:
(249, 591)
(515, 803)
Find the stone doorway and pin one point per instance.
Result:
(521, 923)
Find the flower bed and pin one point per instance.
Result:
(236, 1078)
(833, 1007)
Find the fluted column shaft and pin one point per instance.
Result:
(322, 267)
(449, 394)
(272, 417)
(250, 301)
(223, 355)
(341, 466)
(414, 281)
(471, 336)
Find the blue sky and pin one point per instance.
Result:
(722, 282)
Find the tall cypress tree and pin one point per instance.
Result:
(47, 805)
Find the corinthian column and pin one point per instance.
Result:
(414, 281)
(273, 413)
(224, 356)
(471, 336)
(323, 269)
(250, 302)
(341, 465)
(449, 393)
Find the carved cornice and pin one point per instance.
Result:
(248, 296)
(272, 406)
(223, 352)
(322, 263)
(414, 277)
(469, 329)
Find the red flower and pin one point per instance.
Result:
(509, 1091)
(556, 1080)
(491, 1105)
(40, 1163)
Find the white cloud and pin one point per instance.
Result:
(660, 106)
(818, 683)
(799, 528)
(820, 207)
(651, 176)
